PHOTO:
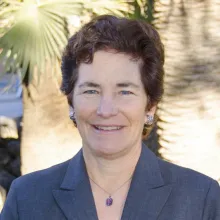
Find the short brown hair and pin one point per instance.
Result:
(133, 37)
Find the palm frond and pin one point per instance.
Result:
(38, 33)
(36, 36)
(63, 7)
(118, 7)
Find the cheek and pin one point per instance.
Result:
(136, 106)
(84, 107)
(135, 113)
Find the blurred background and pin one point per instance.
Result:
(35, 129)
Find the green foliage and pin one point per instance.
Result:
(142, 9)
(34, 33)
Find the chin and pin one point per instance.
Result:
(109, 151)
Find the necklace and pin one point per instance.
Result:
(109, 200)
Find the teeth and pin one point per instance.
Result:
(107, 128)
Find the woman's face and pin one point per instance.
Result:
(109, 101)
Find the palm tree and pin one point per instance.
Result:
(33, 34)
(189, 125)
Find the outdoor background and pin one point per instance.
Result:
(35, 129)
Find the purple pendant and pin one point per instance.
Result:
(109, 201)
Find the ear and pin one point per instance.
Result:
(150, 112)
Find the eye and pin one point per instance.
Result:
(125, 92)
(90, 92)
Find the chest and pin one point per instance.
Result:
(113, 211)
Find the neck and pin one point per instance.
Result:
(110, 173)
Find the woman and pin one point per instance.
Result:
(113, 77)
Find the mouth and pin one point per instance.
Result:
(107, 128)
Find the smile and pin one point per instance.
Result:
(107, 128)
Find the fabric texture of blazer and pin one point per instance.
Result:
(159, 190)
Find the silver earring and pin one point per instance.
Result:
(147, 125)
(72, 117)
(150, 119)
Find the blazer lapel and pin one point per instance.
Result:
(148, 193)
(75, 197)
(146, 197)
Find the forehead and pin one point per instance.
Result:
(109, 66)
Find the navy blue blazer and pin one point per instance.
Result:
(159, 190)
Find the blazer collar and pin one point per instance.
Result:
(147, 193)
(75, 195)
(147, 170)
(76, 172)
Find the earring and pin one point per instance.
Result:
(147, 125)
(72, 117)
(150, 119)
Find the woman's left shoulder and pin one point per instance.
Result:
(186, 177)
(193, 190)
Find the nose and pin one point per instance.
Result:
(107, 108)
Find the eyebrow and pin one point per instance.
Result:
(127, 84)
(120, 85)
(89, 84)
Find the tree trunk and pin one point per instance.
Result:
(48, 135)
(190, 118)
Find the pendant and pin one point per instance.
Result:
(109, 201)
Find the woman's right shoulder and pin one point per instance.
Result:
(51, 176)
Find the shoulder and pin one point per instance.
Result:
(194, 188)
(186, 178)
(50, 177)
(33, 191)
